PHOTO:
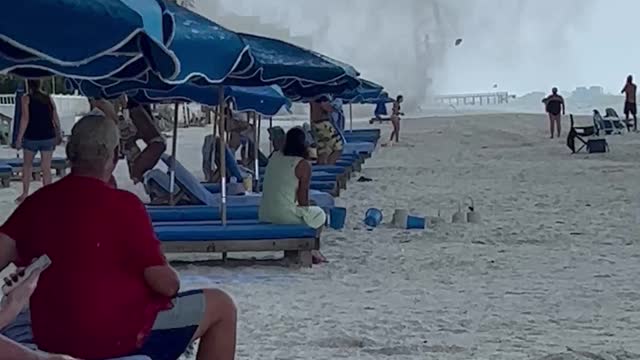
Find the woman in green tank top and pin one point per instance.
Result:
(285, 191)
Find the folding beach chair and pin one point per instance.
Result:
(608, 125)
(619, 123)
(588, 136)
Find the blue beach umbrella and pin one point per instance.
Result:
(277, 61)
(367, 91)
(208, 53)
(86, 39)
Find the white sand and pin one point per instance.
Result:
(554, 264)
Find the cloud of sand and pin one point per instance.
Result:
(519, 45)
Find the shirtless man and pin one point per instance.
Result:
(630, 107)
(554, 105)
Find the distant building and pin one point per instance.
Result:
(583, 93)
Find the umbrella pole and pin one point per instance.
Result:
(223, 162)
(351, 117)
(256, 149)
(174, 147)
(270, 127)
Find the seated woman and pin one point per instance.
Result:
(285, 192)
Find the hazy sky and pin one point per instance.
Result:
(521, 45)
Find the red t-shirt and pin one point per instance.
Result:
(92, 302)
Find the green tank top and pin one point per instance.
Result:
(278, 204)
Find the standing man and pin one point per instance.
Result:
(630, 107)
(554, 105)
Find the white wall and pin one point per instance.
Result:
(69, 106)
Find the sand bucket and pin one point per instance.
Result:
(337, 217)
(459, 217)
(472, 216)
(373, 217)
(416, 222)
(402, 220)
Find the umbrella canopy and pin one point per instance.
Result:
(277, 61)
(97, 38)
(367, 91)
(265, 100)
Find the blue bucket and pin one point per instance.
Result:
(373, 217)
(337, 217)
(416, 222)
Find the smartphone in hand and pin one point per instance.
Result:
(12, 277)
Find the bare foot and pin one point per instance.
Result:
(21, 198)
(317, 257)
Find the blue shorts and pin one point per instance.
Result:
(174, 329)
(36, 146)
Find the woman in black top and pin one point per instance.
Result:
(39, 132)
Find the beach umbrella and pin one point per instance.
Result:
(208, 54)
(260, 61)
(283, 63)
(367, 90)
(86, 39)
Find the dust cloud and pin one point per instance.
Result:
(518, 45)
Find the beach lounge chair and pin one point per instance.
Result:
(297, 241)
(58, 164)
(587, 136)
(194, 193)
(612, 115)
(6, 173)
(610, 125)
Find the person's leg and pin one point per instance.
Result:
(148, 131)
(559, 125)
(27, 173)
(45, 164)
(334, 157)
(217, 330)
(323, 159)
(398, 130)
(207, 315)
(393, 129)
(551, 127)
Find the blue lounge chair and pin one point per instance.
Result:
(297, 241)
(58, 164)
(157, 184)
(6, 173)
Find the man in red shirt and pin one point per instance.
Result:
(109, 291)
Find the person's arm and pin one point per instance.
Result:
(8, 251)
(142, 250)
(303, 173)
(15, 234)
(11, 350)
(24, 120)
(562, 103)
(56, 121)
(624, 89)
(107, 108)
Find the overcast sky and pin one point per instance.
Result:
(520, 45)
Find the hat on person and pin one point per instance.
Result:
(93, 138)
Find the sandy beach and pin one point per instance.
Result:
(553, 265)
